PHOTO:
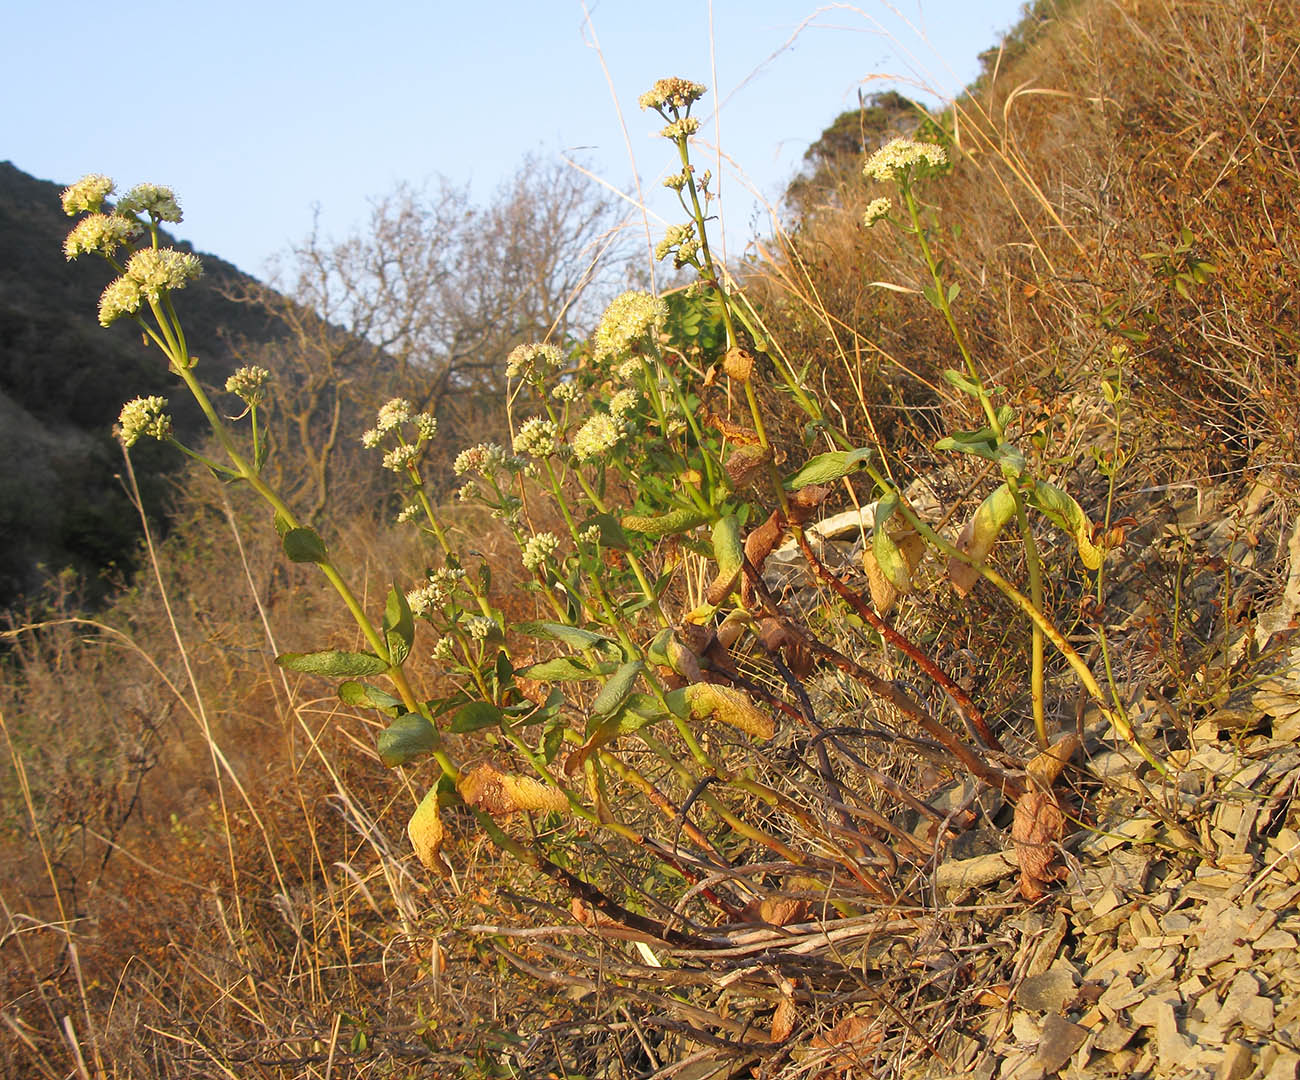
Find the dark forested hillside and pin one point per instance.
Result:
(63, 379)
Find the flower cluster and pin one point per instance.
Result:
(539, 548)
(876, 209)
(120, 297)
(479, 627)
(600, 434)
(901, 158)
(682, 240)
(672, 93)
(401, 457)
(566, 391)
(102, 233)
(626, 321)
(680, 129)
(144, 416)
(436, 591)
(150, 273)
(536, 437)
(249, 383)
(392, 415)
(531, 361)
(153, 199)
(485, 458)
(88, 193)
(623, 403)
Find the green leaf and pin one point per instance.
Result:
(1011, 460)
(675, 521)
(932, 295)
(953, 290)
(399, 626)
(407, 737)
(982, 443)
(362, 695)
(564, 669)
(1061, 508)
(729, 553)
(552, 740)
(333, 663)
(573, 636)
(616, 690)
(611, 532)
(304, 545)
(475, 715)
(979, 535)
(830, 466)
(888, 555)
(962, 382)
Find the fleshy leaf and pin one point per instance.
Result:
(979, 535)
(573, 636)
(399, 626)
(729, 551)
(304, 545)
(617, 689)
(675, 521)
(563, 669)
(611, 532)
(359, 694)
(1064, 510)
(475, 715)
(334, 663)
(830, 466)
(730, 706)
(406, 738)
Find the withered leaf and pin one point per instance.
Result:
(1038, 825)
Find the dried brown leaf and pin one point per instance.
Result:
(1037, 828)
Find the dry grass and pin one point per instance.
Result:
(208, 872)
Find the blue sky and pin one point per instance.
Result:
(256, 112)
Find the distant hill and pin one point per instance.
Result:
(63, 379)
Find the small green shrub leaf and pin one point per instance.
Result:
(889, 557)
(475, 715)
(729, 551)
(399, 626)
(611, 532)
(830, 466)
(982, 443)
(675, 521)
(979, 535)
(406, 738)
(563, 669)
(363, 695)
(1062, 509)
(552, 740)
(573, 636)
(333, 663)
(304, 545)
(616, 690)
(962, 382)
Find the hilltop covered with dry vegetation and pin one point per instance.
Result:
(854, 855)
